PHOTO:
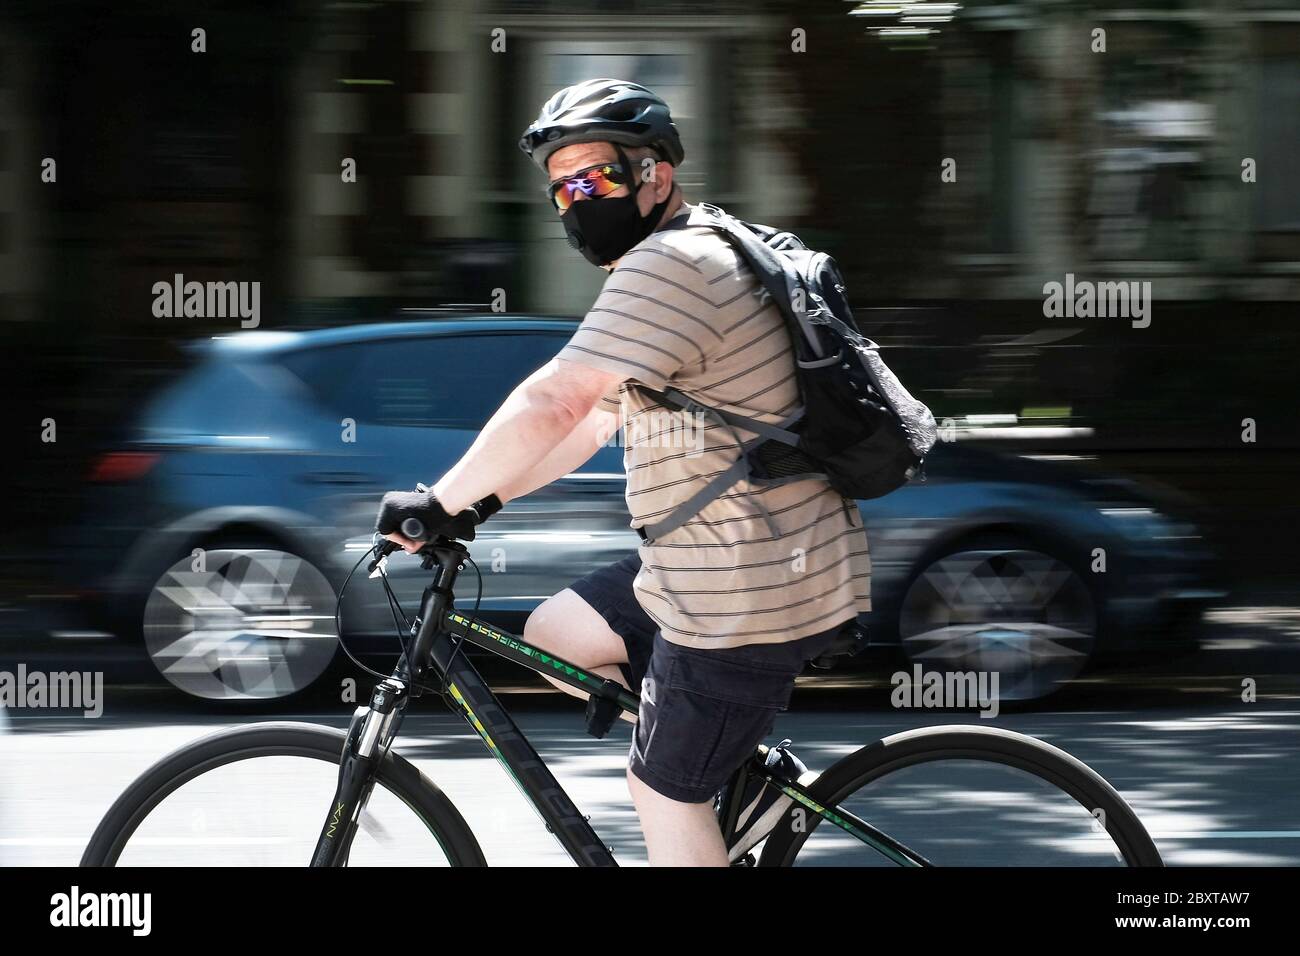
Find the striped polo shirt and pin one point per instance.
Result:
(682, 309)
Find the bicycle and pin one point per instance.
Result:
(365, 822)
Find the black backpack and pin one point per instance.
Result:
(860, 430)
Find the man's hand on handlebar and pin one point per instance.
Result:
(406, 544)
(410, 519)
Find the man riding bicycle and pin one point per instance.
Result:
(715, 616)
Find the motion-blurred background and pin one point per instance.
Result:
(954, 158)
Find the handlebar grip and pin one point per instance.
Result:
(413, 528)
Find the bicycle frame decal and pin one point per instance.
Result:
(821, 811)
(487, 738)
(526, 649)
(474, 721)
(844, 824)
(524, 766)
(335, 820)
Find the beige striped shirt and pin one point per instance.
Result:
(682, 309)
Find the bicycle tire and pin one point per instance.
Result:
(277, 739)
(960, 742)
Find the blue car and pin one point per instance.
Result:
(225, 524)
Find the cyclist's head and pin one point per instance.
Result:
(609, 140)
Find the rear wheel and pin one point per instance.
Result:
(259, 795)
(965, 796)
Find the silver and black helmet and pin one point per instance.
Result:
(604, 110)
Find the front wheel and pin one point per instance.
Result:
(962, 796)
(259, 795)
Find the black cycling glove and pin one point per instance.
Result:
(400, 506)
(487, 507)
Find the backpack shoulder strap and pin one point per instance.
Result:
(761, 253)
(777, 280)
(696, 502)
(758, 255)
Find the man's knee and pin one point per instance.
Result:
(553, 624)
(567, 626)
(647, 798)
(540, 629)
(642, 793)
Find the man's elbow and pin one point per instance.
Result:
(570, 391)
(565, 411)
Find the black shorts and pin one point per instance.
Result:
(703, 711)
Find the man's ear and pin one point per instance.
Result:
(658, 177)
(654, 172)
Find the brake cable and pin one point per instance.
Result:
(400, 621)
(338, 624)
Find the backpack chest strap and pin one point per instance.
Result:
(683, 402)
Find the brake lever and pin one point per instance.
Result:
(382, 551)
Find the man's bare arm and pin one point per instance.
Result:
(531, 425)
(573, 452)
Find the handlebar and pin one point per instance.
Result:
(413, 529)
(428, 551)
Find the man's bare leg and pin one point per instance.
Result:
(569, 627)
(676, 833)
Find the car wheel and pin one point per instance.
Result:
(1000, 606)
(241, 621)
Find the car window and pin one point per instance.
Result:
(445, 381)
(220, 397)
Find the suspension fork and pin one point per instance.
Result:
(373, 728)
(369, 735)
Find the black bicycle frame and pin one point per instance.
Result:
(436, 659)
(481, 708)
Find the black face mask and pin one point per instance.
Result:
(604, 229)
